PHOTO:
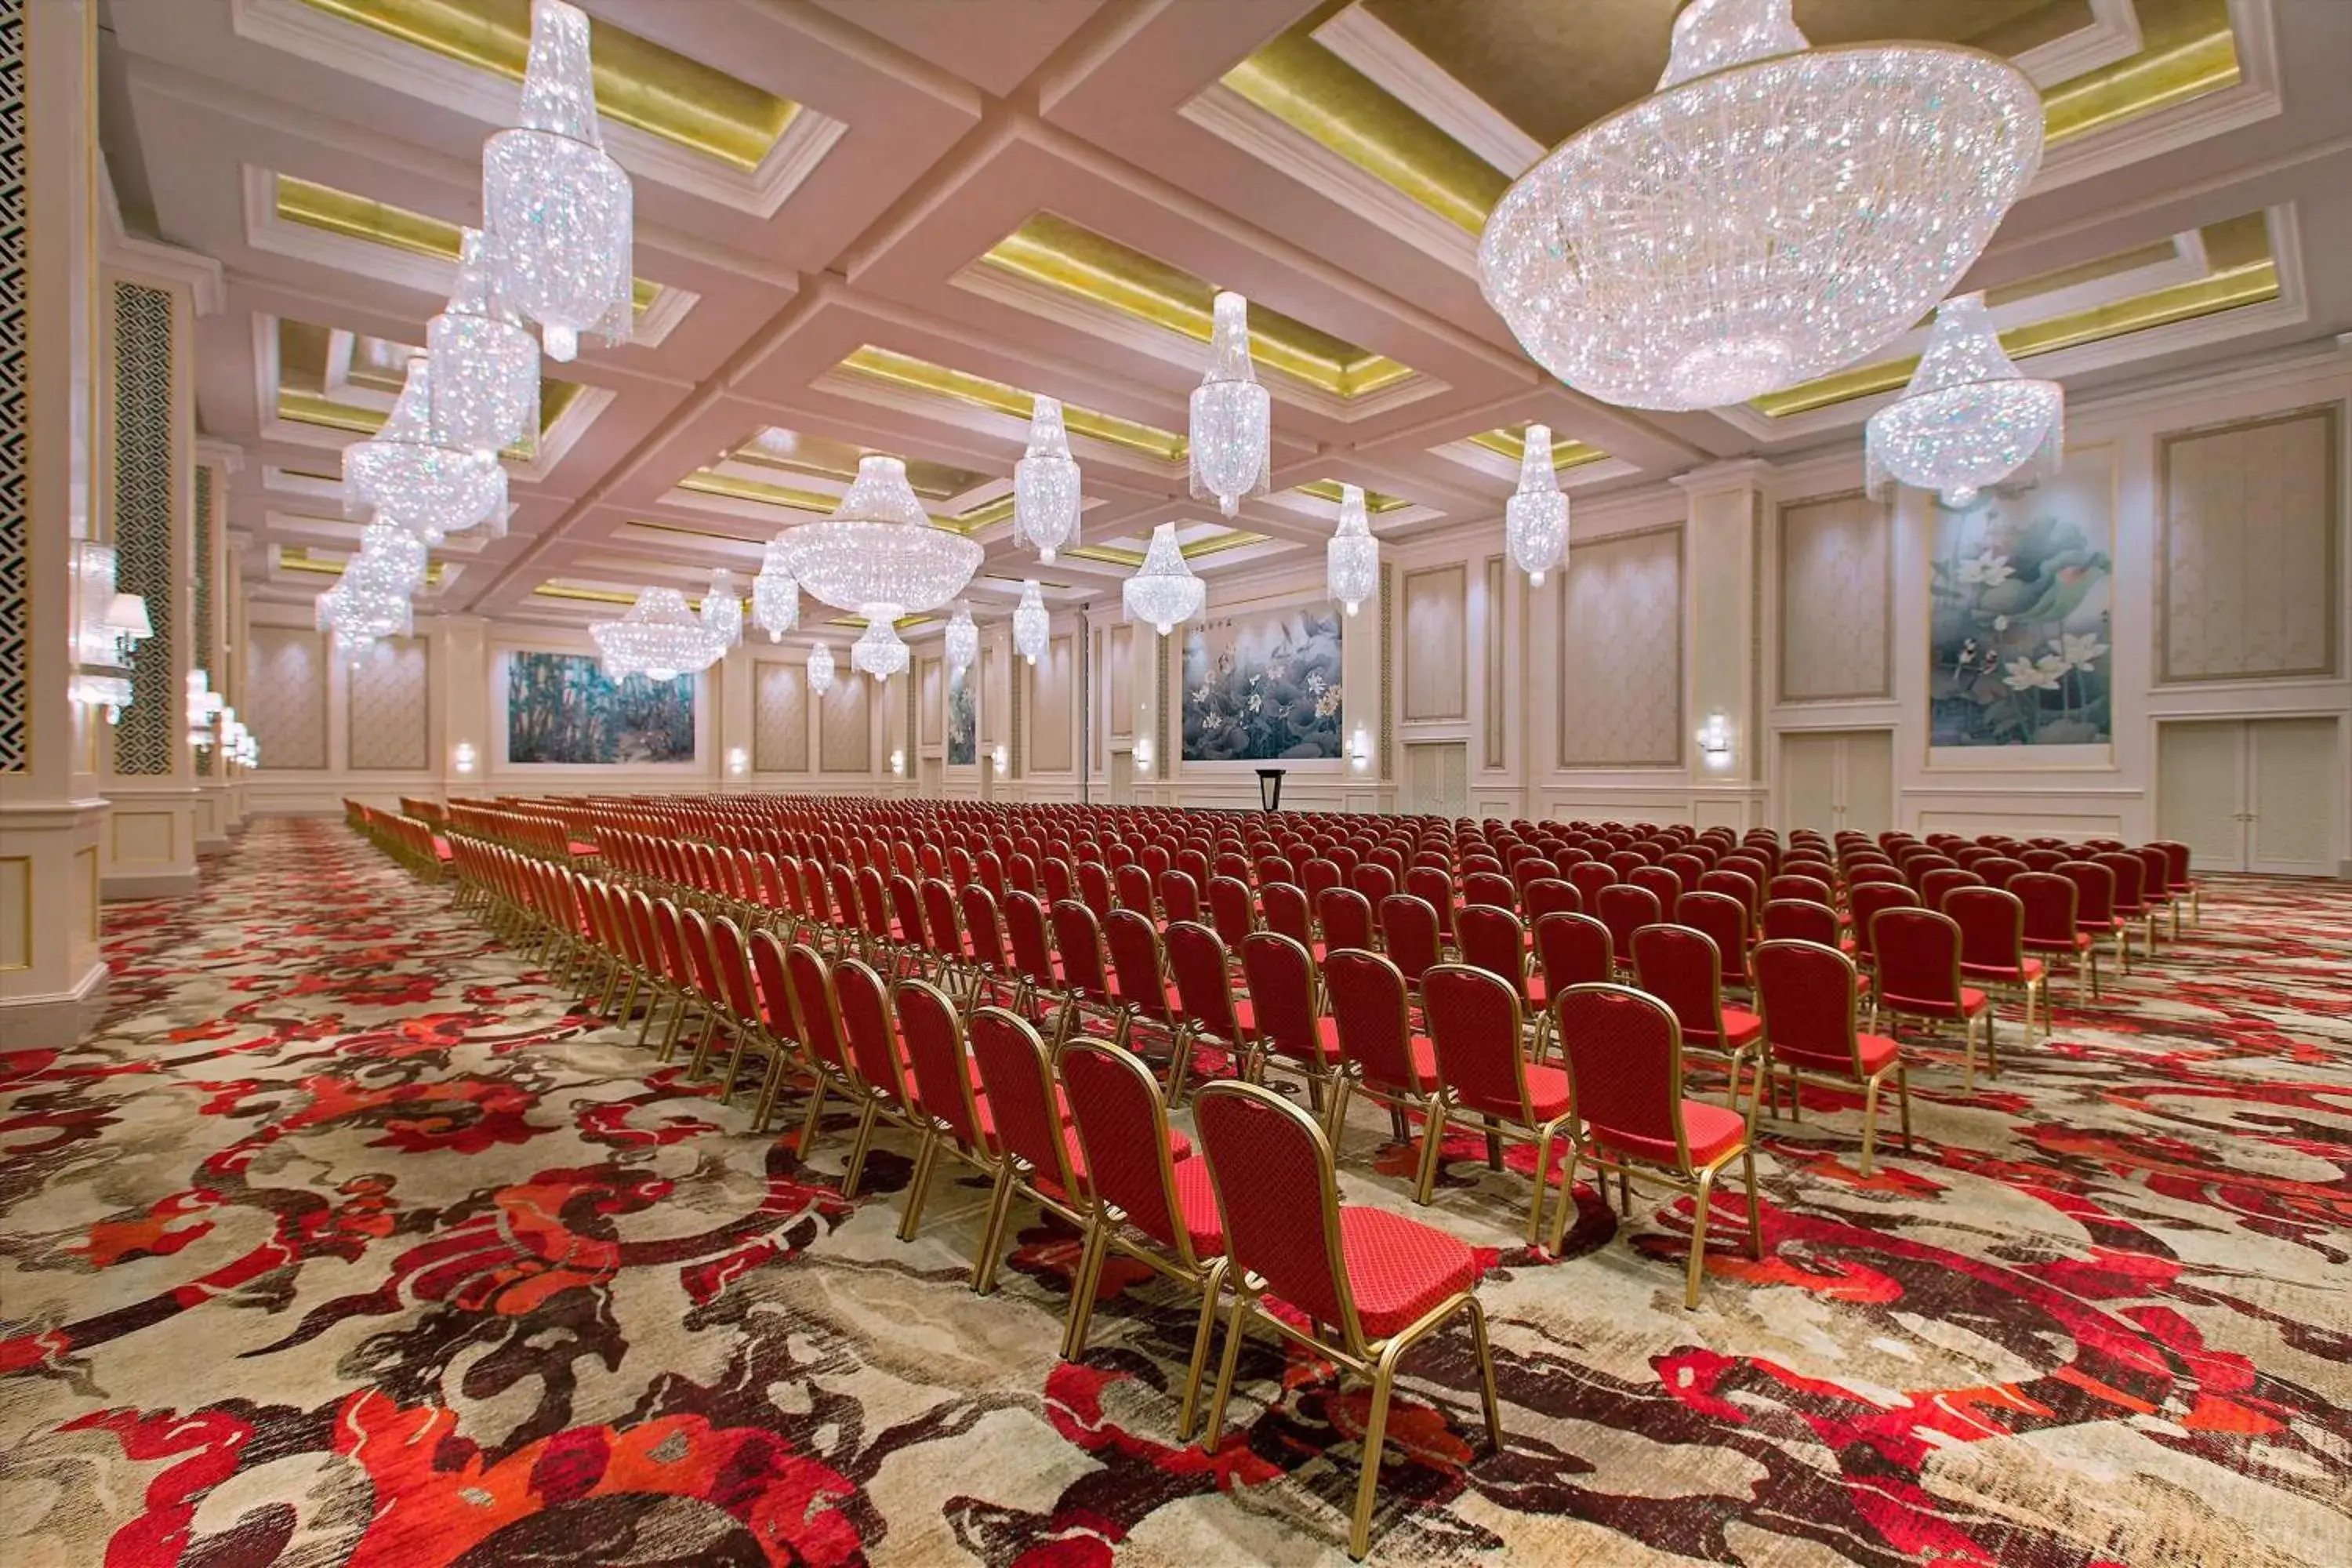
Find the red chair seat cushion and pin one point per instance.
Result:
(1741, 1028)
(1205, 1227)
(2006, 973)
(1709, 1129)
(1424, 1063)
(1972, 1002)
(1548, 1092)
(579, 849)
(441, 851)
(2080, 942)
(1876, 1051)
(1399, 1268)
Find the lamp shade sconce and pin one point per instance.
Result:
(1143, 755)
(1360, 748)
(1002, 758)
(739, 761)
(1714, 741)
(463, 756)
(898, 762)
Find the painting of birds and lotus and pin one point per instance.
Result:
(2022, 601)
(1263, 688)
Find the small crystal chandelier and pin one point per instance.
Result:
(485, 364)
(1032, 628)
(1163, 590)
(878, 651)
(722, 610)
(1351, 561)
(775, 595)
(1232, 417)
(1967, 419)
(659, 638)
(558, 209)
(369, 602)
(1772, 212)
(400, 555)
(879, 554)
(820, 670)
(1535, 519)
(407, 475)
(962, 641)
(1046, 485)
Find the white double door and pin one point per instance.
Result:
(2250, 794)
(1832, 780)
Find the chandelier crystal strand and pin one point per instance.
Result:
(1771, 214)
(879, 554)
(558, 209)
(1033, 627)
(485, 362)
(820, 670)
(1163, 590)
(1535, 519)
(405, 476)
(658, 638)
(402, 555)
(775, 593)
(878, 651)
(1046, 485)
(1230, 431)
(1967, 419)
(962, 641)
(1351, 560)
(722, 610)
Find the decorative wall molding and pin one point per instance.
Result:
(145, 496)
(16, 401)
(1438, 643)
(284, 698)
(388, 708)
(1620, 675)
(1836, 608)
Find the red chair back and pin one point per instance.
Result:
(772, 978)
(1993, 930)
(817, 1018)
(1017, 1076)
(1624, 910)
(2095, 893)
(1918, 961)
(2049, 905)
(1799, 919)
(1368, 1003)
(866, 1018)
(1494, 940)
(1281, 977)
(1288, 911)
(1662, 881)
(1179, 897)
(1271, 1166)
(1866, 901)
(1797, 885)
(1474, 1028)
(1936, 886)
(1412, 934)
(1133, 884)
(1078, 938)
(1681, 968)
(1589, 876)
(1997, 869)
(1435, 889)
(1347, 919)
(1142, 968)
(1204, 981)
(1549, 896)
(1809, 995)
(1122, 1126)
(1572, 949)
(1722, 918)
(1231, 909)
(1625, 1072)
(983, 929)
(2131, 876)
(942, 1068)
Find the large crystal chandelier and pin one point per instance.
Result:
(820, 670)
(1351, 560)
(659, 638)
(406, 474)
(878, 651)
(399, 555)
(1230, 435)
(1163, 590)
(879, 554)
(962, 641)
(1535, 519)
(1046, 485)
(1967, 419)
(775, 594)
(557, 207)
(1033, 628)
(1772, 212)
(485, 364)
(369, 601)
(722, 609)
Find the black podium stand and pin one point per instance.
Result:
(1269, 788)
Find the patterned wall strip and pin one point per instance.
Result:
(1022, 673)
(144, 461)
(1388, 674)
(203, 643)
(15, 287)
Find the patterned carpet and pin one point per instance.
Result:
(344, 1244)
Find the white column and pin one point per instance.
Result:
(1721, 674)
(463, 670)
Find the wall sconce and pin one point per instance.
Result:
(1142, 753)
(739, 761)
(1715, 740)
(898, 761)
(1002, 758)
(464, 757)
(204, 704)
(107, 626)
(1360, 748)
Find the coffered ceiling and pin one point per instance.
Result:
(884, 225)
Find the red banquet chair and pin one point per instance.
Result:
(1381, 1281)
(1346, 919)
(1809, 995)
(1630, 1117)
(1483, 1070)
(1919, 977)
(951, 1119)
(1286, 1011)
(1624, 910)
(1992, 949)
(1379, 1053)
(1682, 968)
(1412, 934)
(1037, 1154)
(1207, 1009)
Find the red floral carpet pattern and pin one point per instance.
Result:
(344, 1242)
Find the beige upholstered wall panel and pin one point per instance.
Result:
(2250, 522)
(1495, 693)
(995, 695)
(932, 725)
(846, 721)
(1621, 652)
(1050, 746)
(1120, 662)
(1436, 646)
(285, 702)
(389, 713)
(1836, 600)
(780, 718)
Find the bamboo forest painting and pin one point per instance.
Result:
(2023, 598)
(562, 707)
(1263, 686)
(963, 735)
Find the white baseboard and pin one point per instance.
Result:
(58, 1018)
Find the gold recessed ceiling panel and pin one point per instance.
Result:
(1511, 441)
(1375, 502)
(2241, 270)
(907, 372)
(638, 82)
(304, 399)
(822, 457)
(1060, 254)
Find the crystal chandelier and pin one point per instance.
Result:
(406, 476)
(1163, 590)
(485, 364)
(820, 670)
(1535, 519)
(1046, 485)
(1351, 561)
(775, 595)
(962, 641)
(400, 555)
(659, 638)
(1230, 439)
(557, 207)
(1032, 628)
(722, 610)
(1967, 419)
(879, 554)
(1772, 212)
(369, 601)
(878, 651)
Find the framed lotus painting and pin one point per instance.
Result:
(1263, 688)
(2021, 604)
(563, 709)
